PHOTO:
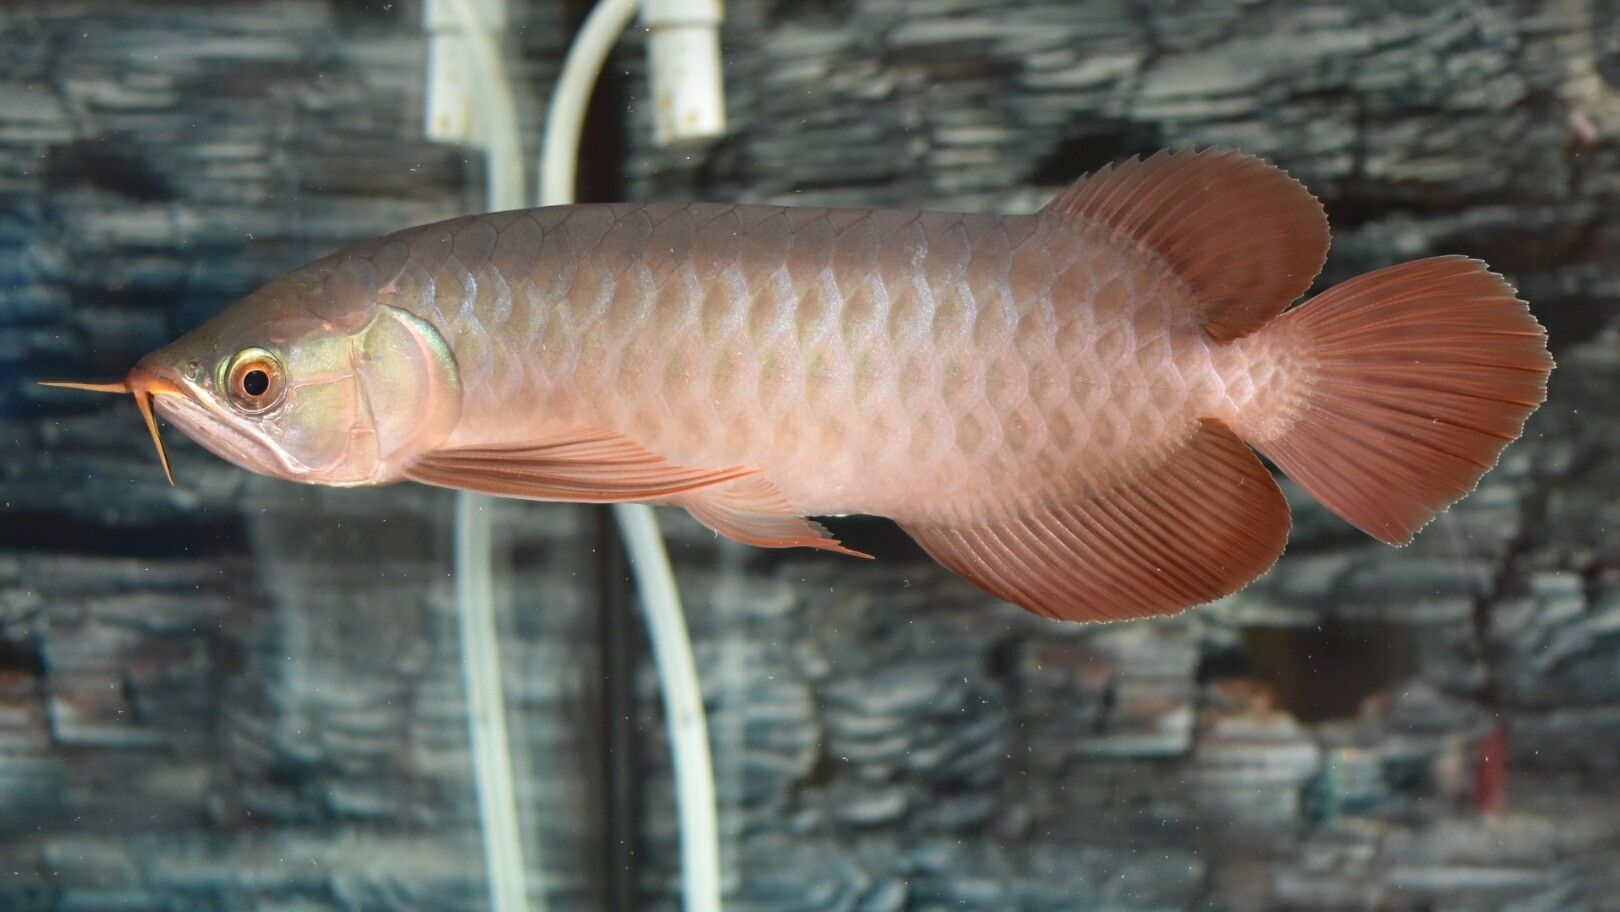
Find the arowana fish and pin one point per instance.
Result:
(1059, 407)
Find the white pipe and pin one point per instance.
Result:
(486, 707)
(683, 60)
(655, 581)
(503, 180)
(565, 115)
(684, 716)
(474, 540)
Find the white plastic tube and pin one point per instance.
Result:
(486, 707)
(684, 716)
(565, 115)
(655, 581)
(683, 55)
(491, 747)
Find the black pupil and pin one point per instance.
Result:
(255, 382)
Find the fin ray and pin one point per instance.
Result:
(1424, 372)
(586, 465)
(1247, 238)
(1201, 524)
(754, 512)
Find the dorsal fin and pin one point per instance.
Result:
(1243, 234)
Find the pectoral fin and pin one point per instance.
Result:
(588, 465)
(754, 512)
(1202, 524)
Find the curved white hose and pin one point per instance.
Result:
(486, 707)
(683, 706)
(565, 115)
(655, 581)
(474, 535)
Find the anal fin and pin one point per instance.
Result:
(1201, 524)
(586, 465)
(754, 512)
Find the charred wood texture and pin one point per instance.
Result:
(241, 694)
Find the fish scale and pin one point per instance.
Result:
(788, 332)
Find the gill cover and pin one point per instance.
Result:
(409, 383)
(362, 395)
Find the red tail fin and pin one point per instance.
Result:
(1424, 372)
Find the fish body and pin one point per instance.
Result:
(920, 366)
(1058, 406)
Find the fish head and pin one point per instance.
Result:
(306, 382)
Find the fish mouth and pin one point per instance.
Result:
(146, 387)
(212, 427)
(188, 407)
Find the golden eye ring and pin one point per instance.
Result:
(253, 381)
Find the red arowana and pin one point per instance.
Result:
(1058, 406)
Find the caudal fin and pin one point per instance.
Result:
(1424, 372)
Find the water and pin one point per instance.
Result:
(242, 694)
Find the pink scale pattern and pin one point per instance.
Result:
(923, 366)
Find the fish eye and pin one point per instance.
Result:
(253, 380)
